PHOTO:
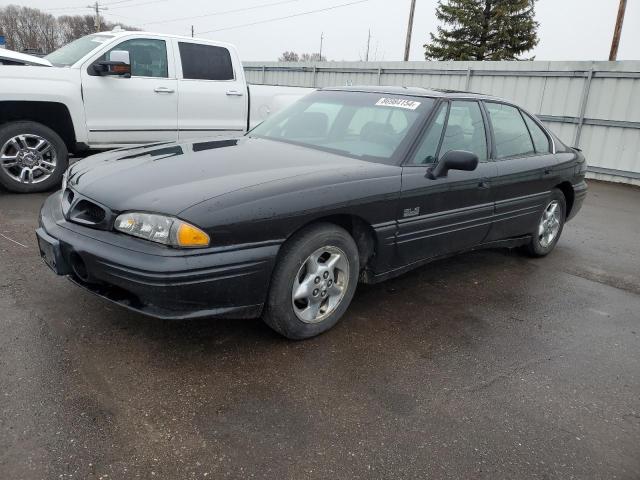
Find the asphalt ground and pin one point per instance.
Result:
(486, 365)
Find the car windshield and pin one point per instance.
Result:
(74, 51)
(357, 124)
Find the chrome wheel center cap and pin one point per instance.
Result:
(29, 159)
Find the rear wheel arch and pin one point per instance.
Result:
(53, 115)
(569, 195)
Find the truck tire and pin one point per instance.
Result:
(33, 157)
(313, 282)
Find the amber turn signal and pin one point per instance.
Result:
(190, 236)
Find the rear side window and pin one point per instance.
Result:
(540, 140)
(205, 62)
(511, 134)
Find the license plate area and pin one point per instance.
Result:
(51, 253)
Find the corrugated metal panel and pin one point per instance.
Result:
(550, 89)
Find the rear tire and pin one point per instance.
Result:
(550, 226)
(33, 157)
(313, 282)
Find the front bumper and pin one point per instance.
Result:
(153, 279)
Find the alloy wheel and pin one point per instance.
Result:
(28, 158)
(320, 284)
(549, 224)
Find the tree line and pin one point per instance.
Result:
(302, 57)
(34, 30)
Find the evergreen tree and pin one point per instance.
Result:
(483, 30)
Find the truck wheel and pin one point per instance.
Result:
(33, 157)
(313, 282)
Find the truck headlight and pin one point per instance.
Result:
(161, 229)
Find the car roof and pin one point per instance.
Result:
(409, 91)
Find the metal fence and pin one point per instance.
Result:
(591, 105)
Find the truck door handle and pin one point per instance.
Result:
(234, 93)
(483, 184)
(163, 90)
(547, 171)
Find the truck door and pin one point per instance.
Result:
(136, 110)
(213, 97)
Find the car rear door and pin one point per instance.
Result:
(212, 90)
(526, 170)
(136, 110)
(450, 213)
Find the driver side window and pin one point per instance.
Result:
(148, 57)
(464, 131)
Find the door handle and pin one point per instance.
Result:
(483, 184)
(163, 90)
(547, 171)
(234, 93)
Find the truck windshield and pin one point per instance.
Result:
(357, 124)
(74, 51)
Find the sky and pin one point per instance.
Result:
(569, 29)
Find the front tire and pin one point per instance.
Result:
(33, 157)
(313, 282)
(550, 225)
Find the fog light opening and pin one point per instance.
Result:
(78, 267)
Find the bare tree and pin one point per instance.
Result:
(75, 26)
(289, 57)
(312, 57)
(32, 29)
(27, 28)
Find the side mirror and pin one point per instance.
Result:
(118, 65)
(453, 160)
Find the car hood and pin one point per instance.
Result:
(24, 58)
(171, 177)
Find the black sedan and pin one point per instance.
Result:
(346, 185)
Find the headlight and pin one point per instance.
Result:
(161, 229)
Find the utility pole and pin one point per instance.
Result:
(191, 31)
(321, 39)
(618, 30)
(366, 57)
(97, 7)
(407, 45)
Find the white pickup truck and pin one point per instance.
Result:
(117, 89)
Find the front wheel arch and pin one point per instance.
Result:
(360, 230)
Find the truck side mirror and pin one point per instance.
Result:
(119, 64)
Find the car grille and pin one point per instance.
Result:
(88, 212)
(79, 209)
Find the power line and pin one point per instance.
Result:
(284, 18)
(140, 4)
(255, 7)
(79, 7)
(97, 6)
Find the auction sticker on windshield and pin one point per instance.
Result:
(398, 103)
